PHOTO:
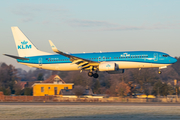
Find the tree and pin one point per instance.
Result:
(8, 91)
(171, 90)
(7, 78)
(161, 88)
(17, 89)
(40, 77)
(28, 91)
(132, 88)
(79, 90)
(96, 88)
(122, 89)
(63, 74)
(164, 89)
(157, 88)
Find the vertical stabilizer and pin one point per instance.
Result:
(24, 46)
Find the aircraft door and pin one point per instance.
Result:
(40, 61)
(155, 56)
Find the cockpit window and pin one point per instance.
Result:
(165, 55)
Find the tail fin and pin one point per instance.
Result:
(24, 46)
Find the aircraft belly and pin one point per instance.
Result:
(73, 67)
(127, 65)
(160, 65)
(58, 67)
(66, 67)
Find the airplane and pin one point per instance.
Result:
(111, 62)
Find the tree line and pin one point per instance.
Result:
(133, 81)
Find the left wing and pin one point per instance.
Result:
(81, 62)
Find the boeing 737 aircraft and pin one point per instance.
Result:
(111, 62)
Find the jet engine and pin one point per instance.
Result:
(108, 66)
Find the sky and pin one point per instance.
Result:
(91, 25)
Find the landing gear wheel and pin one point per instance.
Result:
(90, 74)
(95, 75)
(159, 72)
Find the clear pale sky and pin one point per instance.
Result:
(92, 25)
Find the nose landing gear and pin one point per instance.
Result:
(159, 72)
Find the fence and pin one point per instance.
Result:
(5, 98)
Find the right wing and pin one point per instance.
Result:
(81, 62)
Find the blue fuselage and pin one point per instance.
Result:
(128, 56)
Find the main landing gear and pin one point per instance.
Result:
(159, 72)
(91, 74)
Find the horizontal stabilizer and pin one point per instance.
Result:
(16, 57)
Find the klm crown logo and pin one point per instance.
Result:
(24, 45)
(108, 65)
(24, 42)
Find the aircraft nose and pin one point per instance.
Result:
(174, 60)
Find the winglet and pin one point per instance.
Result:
(53, 46)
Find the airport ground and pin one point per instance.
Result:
(89, 111)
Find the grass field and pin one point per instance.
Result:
(90, 111)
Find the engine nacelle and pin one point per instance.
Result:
(108, 66)
(116, 72)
